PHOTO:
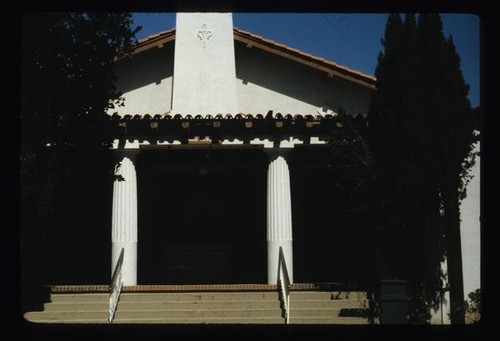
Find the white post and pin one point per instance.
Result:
(124, 219)
(279, 216)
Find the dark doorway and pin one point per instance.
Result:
(332, 241)
(201, 216)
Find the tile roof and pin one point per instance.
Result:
(257, 38)
(331, 68)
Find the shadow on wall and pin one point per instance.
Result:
(153, 65)
(299, 82)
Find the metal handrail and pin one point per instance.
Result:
(284, 285)
(115, 287)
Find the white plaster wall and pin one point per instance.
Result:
(204, 67)
(260, 82)
(146, 82)
(269, 82)
(471, 231)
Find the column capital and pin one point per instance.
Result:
(128, 153)
(274, 153)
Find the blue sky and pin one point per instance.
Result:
(352, 40)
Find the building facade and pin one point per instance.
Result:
(221, 159)
(211, 113)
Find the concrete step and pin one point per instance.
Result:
(184, 305)
(88, 298)
(168, 297)
(329, 320)
(205, 320)
(39, 316)
(342, 312)
(76, 306)
(201, 313)
(319, 304)
(328, 295)
(153, 314)
(204, 307)
(163, 305)
(199, 296)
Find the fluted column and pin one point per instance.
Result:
(124, 218)
(279, 216)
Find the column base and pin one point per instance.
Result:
(273, 249)
(129, 266)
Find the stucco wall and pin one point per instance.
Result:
(471, 231)
(269, 82)
(146, 82)
(264, 82)
(204, 69)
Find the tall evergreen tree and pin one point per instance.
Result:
(67, 84)
(449, 142)
(421, 134)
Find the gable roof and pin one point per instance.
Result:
(251, 40)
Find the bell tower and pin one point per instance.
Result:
(204, 80)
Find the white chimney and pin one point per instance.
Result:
(204, 66)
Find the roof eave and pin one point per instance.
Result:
(330, 68)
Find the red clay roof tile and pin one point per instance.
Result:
(332, 68)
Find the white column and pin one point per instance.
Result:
(279, 216)
(124, 218)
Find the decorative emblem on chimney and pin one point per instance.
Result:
(204, 35)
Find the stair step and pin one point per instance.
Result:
(37, 316)
(80, 297)
(206, 320)
(200, 313)
(184, 305)
(163, 305)
(341, 312)
(207, 307)
(329, 320)
(319, 304)
(173, 297)
(328, 295)
(148, 314)
(199, 296)
(76, 306)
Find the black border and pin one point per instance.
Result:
(10, 175)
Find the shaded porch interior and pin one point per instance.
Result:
(202, 216)
(202, 220)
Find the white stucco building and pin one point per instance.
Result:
(220, 160)
(212, 89)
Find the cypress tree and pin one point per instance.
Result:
(421, 133)
(396, 125)
(449, 141)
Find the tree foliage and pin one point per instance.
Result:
(67, 76)
(473, 306)
(67, 84)
(421, 133)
